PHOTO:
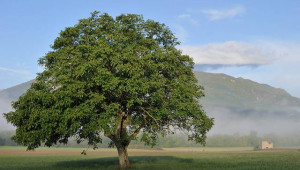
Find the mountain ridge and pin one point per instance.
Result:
(225, 90)
(14, 92)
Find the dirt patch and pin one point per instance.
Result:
(114, 152)
(276, 150)
(77, 152)
(50, 152)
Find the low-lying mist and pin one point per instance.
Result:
(5, 106)
(226, 121)
(230, 121)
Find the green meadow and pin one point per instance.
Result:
(174, 158)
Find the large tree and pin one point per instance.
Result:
(114, 76)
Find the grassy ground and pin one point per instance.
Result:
(175, 158)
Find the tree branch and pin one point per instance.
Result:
(110, 136)
(150, 116)
(136, 132)
(123, 118)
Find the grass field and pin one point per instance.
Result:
(172, 158)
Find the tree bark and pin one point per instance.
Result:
(123, 156)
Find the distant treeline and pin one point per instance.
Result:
(181, 140)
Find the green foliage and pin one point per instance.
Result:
(112, 76)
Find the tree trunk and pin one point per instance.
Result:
(123, 156)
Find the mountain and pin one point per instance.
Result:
(241, 94)
(242, 105)
(237, 104)
(6, 97)
(225, 90)
(13, 93)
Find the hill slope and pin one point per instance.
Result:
(224, 90)
(13, 93)
(237, 104)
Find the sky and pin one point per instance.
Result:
(257, 40)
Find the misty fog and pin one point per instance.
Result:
(230, 122)
(5, 106)
(226, 121)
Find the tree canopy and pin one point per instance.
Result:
(113, 76)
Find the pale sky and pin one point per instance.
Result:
(257, 40)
